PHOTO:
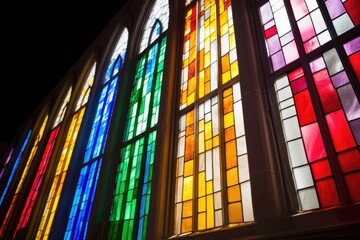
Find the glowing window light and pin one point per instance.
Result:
(14, 167)
(131, 200)
(23, 176)
(199, 194)
(86, 186)
(5, 164)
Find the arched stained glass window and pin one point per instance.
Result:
(318, 95)
(65, 157)
(23, 176)
(212, 175)
(130, 206)
(86, 185)
(36, 184)
(14, 167)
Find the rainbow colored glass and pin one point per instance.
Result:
(89, 173)
(50, 208)
(131, 200)
(201, 153)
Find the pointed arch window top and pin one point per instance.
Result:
(119, 53)
(63, 108)
(84, 97)
(159, 12)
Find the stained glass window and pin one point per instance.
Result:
(91, 163)
(318, 101)
(131, 200)
(212, 174)
(64, 161)
(3, 168)
(25, 171)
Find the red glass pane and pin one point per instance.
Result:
(327, 192)
(352, 7)
(296, 74)
(304, 108)
(355, 62)
(340, 131)
(314, 144)
(270, 32)
(298, 85)
(327, 93)
(321, 169)
(349, 160)
(353, 183)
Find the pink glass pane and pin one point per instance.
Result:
(340, 131)
(321, 169)
(349, 160)
(296, 74)
(299, 7)
(273, 44)
(352, 6)
(327, 93)
(335, 8)
(306, 28)
(327, 192)
(304, 108)
(311, 45)
(314, 144)
(290, 52)
(298, 85)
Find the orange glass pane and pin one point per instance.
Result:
(228, 104)
(235, 212)
(232, 177)
(234, 194)
(225, 63)
(216, 141)
(231, 156)
(187, 209)
(189, 148)
(229, 133)
(186, 225)
(188, 168)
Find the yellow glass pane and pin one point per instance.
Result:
(223, 18)
(188, 188)
(208, 130)
(225, 63)
(234, 69)
(201, 60)
(201, 142)
(207, 74)
(201, 125)
(229, 119)
(202, 221)
(216, 141)
(186, 225)
(201, 189)
(185, 63)
(234, 193)
(191, 85)
(191, 98)
(226, 77)
(201, 84)
(202, 204)
(208, 144)
(231, 30)
(207, 59)
(188, 168)
(232, 177)
(228, 104)
(207, 87)
(189, 148)
(223, 30)
(187, 209)
(231, 156)
(213, 36)
(190, 118)
(229, 133)
(232, 42)
(210, 211)
(209, 187)
(235, 213)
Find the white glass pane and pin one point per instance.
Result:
(243, 168)
(215, 122)
(282, 21)
(287, 103)
(284, 93)
(178, 218)
(333, 62)
(311, 4)
(308, 199)
(217, 200)
(324, 37)
(202, 162)
(218, 218)
(236, 92)
(247, 201)
(297, 153)
(179, 189)
(288, 112)
(180, 167)
(291, 128)
(181, 147)
(343, 24)
(241, 145)
(303, 177)
(281, 82)
(217, 182)
(318, 21)
(208, 167)
(239, 119)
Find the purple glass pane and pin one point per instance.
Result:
(306, 28)
(352, 46)
(273, 44)
(286, 38)
(266, 13)
(355, 126)
(339, 79)
(335, 8)
(349, 102)
(317, 65)
(278, 60)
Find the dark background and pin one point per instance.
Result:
(40, 42)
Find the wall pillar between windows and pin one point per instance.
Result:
(265, 176)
